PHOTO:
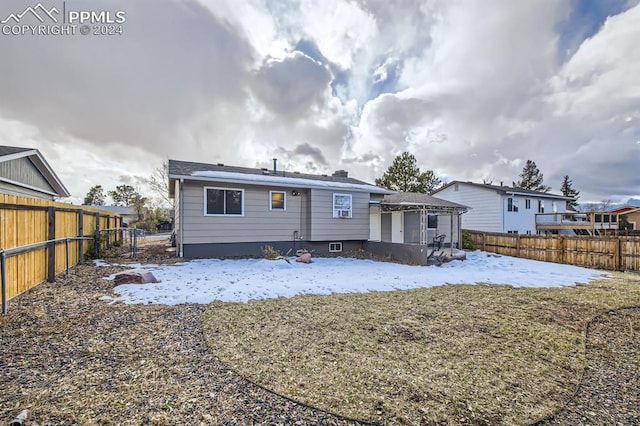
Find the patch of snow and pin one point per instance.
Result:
(206, 280)
(289, 181)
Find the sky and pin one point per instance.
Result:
(203, 281)
(473, 89)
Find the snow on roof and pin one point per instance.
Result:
(287, 181)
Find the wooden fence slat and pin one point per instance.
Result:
(25, 221)
(618, 253)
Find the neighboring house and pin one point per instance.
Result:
(25, 172)
(128, 213)
(225, 211)
(631, 213)
(497, 208)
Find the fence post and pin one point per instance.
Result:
(562, 250)
(517, 245)
(3, 279)
(66, 248)
(51, 246)
(96, 235)
(484, 241)
(80, 234)
(617, 254)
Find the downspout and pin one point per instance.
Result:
(181, 214)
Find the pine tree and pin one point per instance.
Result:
(123, 195)
(95, 197)
(404, 175)
(568, 191)
(531, 178)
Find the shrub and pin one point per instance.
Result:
(270, 253)
(467, 241)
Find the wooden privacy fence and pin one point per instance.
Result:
(28, 221)
(618, 253)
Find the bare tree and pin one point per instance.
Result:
(159, 182)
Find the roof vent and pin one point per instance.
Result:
(220, 164)
(340, 173)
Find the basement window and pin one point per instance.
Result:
(335, 247)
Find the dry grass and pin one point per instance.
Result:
(480, 354)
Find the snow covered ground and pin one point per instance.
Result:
(202, 281)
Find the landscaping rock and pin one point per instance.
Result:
(134, 276)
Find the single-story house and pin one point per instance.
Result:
(504, 209)
(631, 213)
(223, 211)
(24, 172)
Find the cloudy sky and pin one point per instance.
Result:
(472, 88)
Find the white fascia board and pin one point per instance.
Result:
(525, 194)
(278, 181)
(32, 188)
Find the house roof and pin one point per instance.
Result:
(245, 175)
(505, 190)
(8, 153)
(625, 210)
(414, 199)
(121, 210)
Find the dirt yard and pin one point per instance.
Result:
(69, 358)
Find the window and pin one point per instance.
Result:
(278, 200)
(540, 206)
(528, 232)
(432, 221)
(335, 247)
(223, 202)
(342, 204)
(527, 204)
(512, 205)
(512, 232)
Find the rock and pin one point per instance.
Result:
(134, 276)
(304, 258)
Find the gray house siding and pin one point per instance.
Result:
(22, 171)
(324, 227)
(7, 188)
(257, 224)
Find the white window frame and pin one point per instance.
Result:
(284, 206)
(336, 212)
(540, 206)
(512, 205)
(335, 247)
(527, 204)
(225, 200)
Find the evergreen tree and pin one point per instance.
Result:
(568, 191)
(531, 178)
(405, 175)
(95, 197)
(123, 195)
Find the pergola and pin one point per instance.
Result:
(425, 205)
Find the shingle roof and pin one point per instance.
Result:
(8, 150)
(505, 189)
(187, 168)
(418, 199)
